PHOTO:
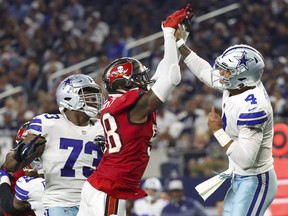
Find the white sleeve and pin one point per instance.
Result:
(244, 151)
(168, 73)
(22, 188)
(201, 68)
(170, 53)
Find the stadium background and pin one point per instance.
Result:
(42, 41)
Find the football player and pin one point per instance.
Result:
(245, 130)
(29, 190)
(13, 177)
(152, 204)
(129, 121)
(67, 150)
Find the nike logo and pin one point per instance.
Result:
(251, 109)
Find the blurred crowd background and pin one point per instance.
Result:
(40, 37)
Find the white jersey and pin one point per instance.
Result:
(69, 157)
(250, 109)
(143, 208)
(31, 190)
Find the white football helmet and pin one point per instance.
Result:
(71, 95)
(36, 165)
(245, 64)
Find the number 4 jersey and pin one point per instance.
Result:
(127, 152)
(69, 157)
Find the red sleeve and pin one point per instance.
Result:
(126, 101)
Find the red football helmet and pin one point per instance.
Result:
(21, 135)
(125, 73)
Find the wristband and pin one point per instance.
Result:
(5, 179)
(222, 137)
(180, 43)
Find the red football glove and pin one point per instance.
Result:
(174, 19)
(187, 20)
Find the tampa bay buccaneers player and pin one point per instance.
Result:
(21, 134)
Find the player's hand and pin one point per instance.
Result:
(174, 19)
(25, 150)
(185, 27)
(214, 120)
(100, 141)
(4, 177)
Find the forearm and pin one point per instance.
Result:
(168, 73)
(11, 165)
(244, 151)
(198, 66)
(6, 199)
(170, 54)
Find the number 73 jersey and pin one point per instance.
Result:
(69, 157)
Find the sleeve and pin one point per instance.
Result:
(252, 117)
(202, 69)
(35, 126)
(126, 101)
(244, 151)
(43, 124)
(170, 54)
(22, 188)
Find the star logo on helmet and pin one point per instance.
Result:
(67, 81)
(243, 60)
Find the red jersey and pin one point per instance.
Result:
(127, 150)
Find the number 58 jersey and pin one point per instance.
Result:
(69, 157)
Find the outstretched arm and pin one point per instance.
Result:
(24, 153)
(198, 66)
(167, 74)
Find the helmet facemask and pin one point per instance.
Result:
(80, 93)
(90, 102)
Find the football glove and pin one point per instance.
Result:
(100, 141)
(25, 150)
(174, 19)
(186, 22)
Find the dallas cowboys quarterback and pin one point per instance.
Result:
(69, 155)
(246, 128)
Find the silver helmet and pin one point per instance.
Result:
(72, 94)
(152, 183)
(245, 64)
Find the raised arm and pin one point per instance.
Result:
(167, 74)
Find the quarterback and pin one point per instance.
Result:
(245, 129)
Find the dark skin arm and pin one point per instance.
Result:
(9, 202)
(12, 165)
(20, 205)
(147, 104)
(184, 49)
